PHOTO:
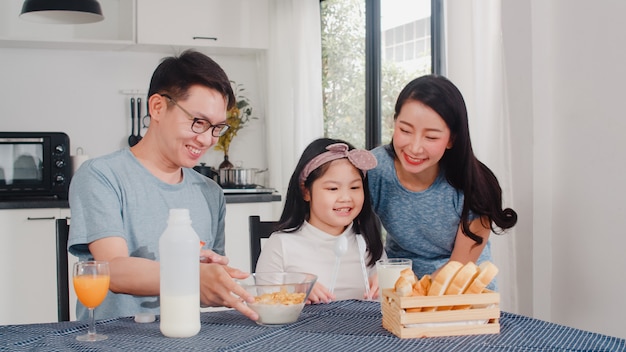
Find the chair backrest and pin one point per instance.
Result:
(63, 293)
(258, 230)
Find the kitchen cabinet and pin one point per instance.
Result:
(216, 25)
(28, 254)
(28, 265)
(116, 31)
(227, 24)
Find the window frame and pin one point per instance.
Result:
(373, 63)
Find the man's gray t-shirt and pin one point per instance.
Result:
(115, 196)
(421, 226)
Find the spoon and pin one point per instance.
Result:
(360, 241)
(341, 247)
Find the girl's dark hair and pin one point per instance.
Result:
(296, 209)
(175, 75)
(481, 190)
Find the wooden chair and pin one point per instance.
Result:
(63, 293)
(258, 230)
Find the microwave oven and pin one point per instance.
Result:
(34, 165)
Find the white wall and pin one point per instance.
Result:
(565, 64)
(517, 39)
(79, 93)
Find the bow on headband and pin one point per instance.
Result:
(360, 158)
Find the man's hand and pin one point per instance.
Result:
(217, 288)
(208, 256)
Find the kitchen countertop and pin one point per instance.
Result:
(55, 203)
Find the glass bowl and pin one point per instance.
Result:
(279, 296)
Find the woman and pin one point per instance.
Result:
(436, 200)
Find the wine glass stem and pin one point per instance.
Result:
(92, 323)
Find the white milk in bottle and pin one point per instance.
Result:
(180, 276)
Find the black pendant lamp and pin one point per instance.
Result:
(62, 11)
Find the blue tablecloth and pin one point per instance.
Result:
(338, 326)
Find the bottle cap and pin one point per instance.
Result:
(145, 318)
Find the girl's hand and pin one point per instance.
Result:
(319, 294)
(373, 288)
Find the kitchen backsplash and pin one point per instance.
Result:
(84, 94)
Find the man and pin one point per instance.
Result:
(120, 202)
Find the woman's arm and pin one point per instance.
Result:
(466, 249)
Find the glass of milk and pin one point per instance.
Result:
(389, 271)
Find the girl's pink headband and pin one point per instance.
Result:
(360, 158)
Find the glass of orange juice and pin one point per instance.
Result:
(91, 283)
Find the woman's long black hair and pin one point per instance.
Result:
(481, 190)
(297, 210)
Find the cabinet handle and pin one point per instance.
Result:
(44, 218)
(207, 38)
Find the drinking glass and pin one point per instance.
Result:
(91, 283)
(389, 271)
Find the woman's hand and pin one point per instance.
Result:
(319, 294)
(217, 288)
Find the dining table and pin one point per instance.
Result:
(350, 325)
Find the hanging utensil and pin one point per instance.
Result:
(360, 241)
(132, 139)
(138, 120)
(341, 247)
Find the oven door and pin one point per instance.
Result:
(33, 165)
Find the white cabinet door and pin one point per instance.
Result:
(65, 213)
(28, 266)
(238, 232)
(197, 23)
(117, 30)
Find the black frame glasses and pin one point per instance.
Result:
(199, 125)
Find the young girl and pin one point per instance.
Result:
(432, 195)
(328, 198)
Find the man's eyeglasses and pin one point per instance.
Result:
(201, 125)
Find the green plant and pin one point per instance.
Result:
(237, 117)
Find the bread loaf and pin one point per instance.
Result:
(487, 271)
(453, 278)
(461, 281)
(443, 278)
(420, 288)
(404, 284)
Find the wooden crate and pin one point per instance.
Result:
(483, 317)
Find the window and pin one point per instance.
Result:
(370, 50)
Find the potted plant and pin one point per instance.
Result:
(237, 117)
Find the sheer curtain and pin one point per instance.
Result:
(475, 63)
(294, 111)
